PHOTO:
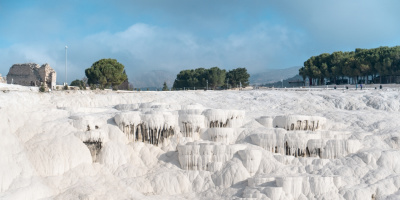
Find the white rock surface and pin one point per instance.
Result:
(206, 155)
(231, 149)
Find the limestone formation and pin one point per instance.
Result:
(94, 147)
(154, 129)
(323, 144)
(208, 156)
(292, 187)
(299, 122)
(31, 74)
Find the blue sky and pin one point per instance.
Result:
(173, 35)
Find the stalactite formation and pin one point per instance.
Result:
(223, 135)
(217, 118)
(205, 155)
(152, 127)
(324, 144)
(94, 147)
(191, 123)
(142, 132)
(298, 122)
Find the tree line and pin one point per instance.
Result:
(357, 66)
(212, 78)
(109, 73)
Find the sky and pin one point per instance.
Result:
(173, 35)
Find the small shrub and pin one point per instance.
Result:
(42, 88)
(92, 86)
(65, 87)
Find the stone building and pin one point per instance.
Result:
(31, 74)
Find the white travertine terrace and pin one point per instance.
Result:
(299, 122)
(223, 135)
(324, 144)
(110, 145)
(206, 155)
(191, 124)
(266, 121)
(217, 118)
(127, 107)
(293, 187)
(149, 128)
(251, 159)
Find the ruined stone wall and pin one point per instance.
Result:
(48, 75)
(31, 74)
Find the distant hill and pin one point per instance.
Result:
(278, 84)
(273, 75)
(153, 79)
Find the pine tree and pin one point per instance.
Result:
(106, 73)
(165, 87)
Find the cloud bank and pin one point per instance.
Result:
(144, 47)
(175, 35)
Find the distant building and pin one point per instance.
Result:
(31, 74)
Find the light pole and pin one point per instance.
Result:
(66, 47)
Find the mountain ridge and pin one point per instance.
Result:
(273, 75)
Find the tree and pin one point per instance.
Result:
(355, 65)
(106, 73)
(237, 76)
(216, 77)
(76, 82)
(184, 79)
(197, 78)
(42, 88)
(125, 85)
(165, 87)
(79, 83)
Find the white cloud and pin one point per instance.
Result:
(143, 47)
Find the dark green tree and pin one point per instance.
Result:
(237, 76)
(197, 78)
(216, 77)
(106, 73)
(184, 79)
(358, 66)
(79, 83)
(76, 82)
(165, 87)
(125, 85)
(42, 88)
